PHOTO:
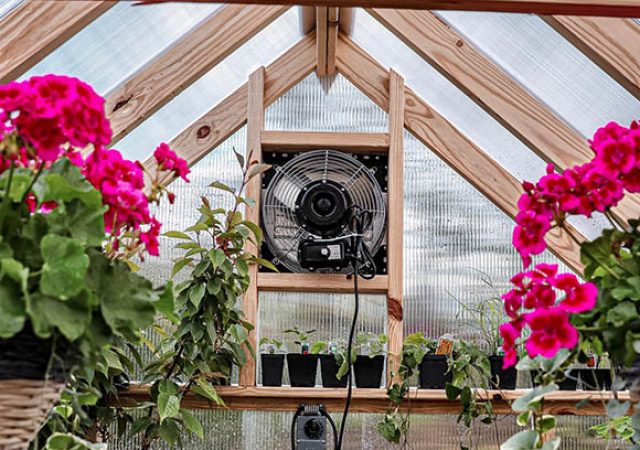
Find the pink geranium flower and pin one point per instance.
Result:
(550, 331)
(169, 161)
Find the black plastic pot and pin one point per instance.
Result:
(502, 378)
(368, 371)
(595, 379)
(302, 369)
(272, 367)
(26, 356)
(570, 382)
(433, 372)
(329, 369)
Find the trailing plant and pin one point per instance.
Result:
(395, 424)
(211, 336)
(471, 371)
(301, 337)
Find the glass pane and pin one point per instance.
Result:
(120, 41)
(549, 66)
(213, 87)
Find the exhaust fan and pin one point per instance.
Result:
(309, 199)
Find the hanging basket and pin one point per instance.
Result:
(31, 381)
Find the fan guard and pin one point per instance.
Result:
(283, 224)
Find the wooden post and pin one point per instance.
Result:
(255, 125)
(395, 193)
(333, 24)
(322, 14)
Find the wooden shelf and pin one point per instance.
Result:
(281, 141)
(423, 401)
(318, 282)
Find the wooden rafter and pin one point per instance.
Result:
(36, 28)
(227, 117)
(611, 8)
(333, 24)
(613, 44)
(495, 91)
(453, 147)
(183, 63)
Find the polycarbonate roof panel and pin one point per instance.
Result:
(456, 106)
(213, 87)
(549, 67)
(123, 39)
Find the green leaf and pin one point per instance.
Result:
(267, 264)
(622, 313)
(179, 265)
(65, 266)
(177, 235)
(16, 271)
(204, 388)
(255, 229)
(168, 387)
(525, 402)
(127, 300)
(222, 186)
(169, 432)
(524, 440)
(12, 308)
(217, 257)
(523, 419)
(239, 157)
(168, 406)
(19, 183)
(191, 423)
(547, 423)
(452, 391)
(71, 317)
(166, 303)
(62, 441)
(196, 294)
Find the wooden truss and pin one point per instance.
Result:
(613, 44)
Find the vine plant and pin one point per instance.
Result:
(211, 335)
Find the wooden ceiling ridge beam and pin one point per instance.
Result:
(189, 58)
(611, 43)
(228, 116)
(34, 29)
(447, 142)
(495, 91)
(611, 8)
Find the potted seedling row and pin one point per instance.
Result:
(272, 359)
(302, 365)
(333, 363)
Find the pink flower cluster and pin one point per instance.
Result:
(49, 117)
(533, 302)
(595, 186)
(51, 112)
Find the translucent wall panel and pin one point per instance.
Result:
(213, 87)
(236, 430)
(329, 314)
(454, 105)
(549, 66)
(120, 41)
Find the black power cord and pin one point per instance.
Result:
(360, 221)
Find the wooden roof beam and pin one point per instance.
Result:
(34, 29)
(327, 26)
(447, 142)
(612, 44)
(175, 69)
(497, 93)
(228, 116)
(611, 8)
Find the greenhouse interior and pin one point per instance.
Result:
(320, 224)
